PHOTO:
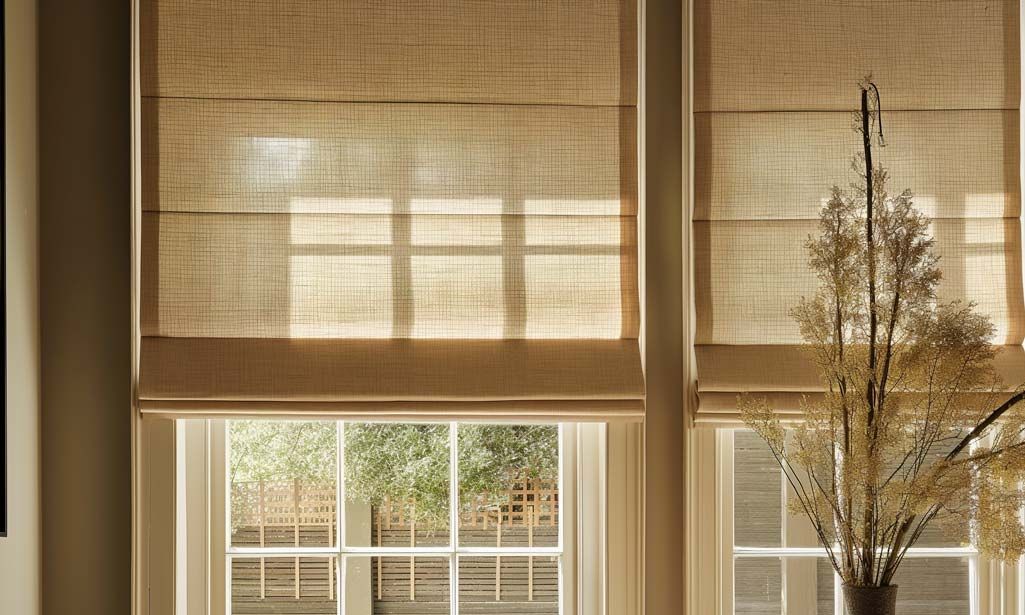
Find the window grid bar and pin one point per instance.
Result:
(784, 538)
(243, 552)
(562, 518)
(282, 552)
(838, 606)
(339, 489)
(453, 517)
(742, 552)
(340, 515)
(973, 586)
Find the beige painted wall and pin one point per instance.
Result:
(84, 284)
(84, 223)
(663, 311)
(20, 552)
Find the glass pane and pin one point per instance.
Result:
(825, 580)
(946, 530)
(381, 585)
(295, 585)
(282, 476)
(757, 493)
(509, 585)
(509, 485)
(396, 484)
(758, 585)
(933, 586)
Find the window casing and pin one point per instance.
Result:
(596, 459)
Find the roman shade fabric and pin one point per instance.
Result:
(389, 208)
(775, 88)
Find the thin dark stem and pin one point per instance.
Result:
(866, 134)
(979, 429)
(870, 391)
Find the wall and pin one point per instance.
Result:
(664, 277)
(19, 553)
(84, 143)
(85, 273)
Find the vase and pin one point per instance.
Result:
(870, 600)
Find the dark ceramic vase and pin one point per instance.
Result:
(870, 600)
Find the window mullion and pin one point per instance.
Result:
(340, 517)
(453, 518)
(724, 450)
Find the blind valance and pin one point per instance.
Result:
(364, 204)
(774, 92)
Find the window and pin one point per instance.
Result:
(769, 561)
(434, 517)
(367, 518)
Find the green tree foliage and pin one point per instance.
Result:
(282, 450)
(399, 461)
(402, 462)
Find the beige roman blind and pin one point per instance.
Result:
(390, 208)
(775, 87)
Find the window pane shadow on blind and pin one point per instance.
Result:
(267, 219)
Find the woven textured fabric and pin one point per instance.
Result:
(348, 276)
(749, 274)
(359, 158)
(378, 203)
(786, 376)
(779, 166)
(393, 371)
(799, 55)
(729, 369)
(500, 51)
(775, 87)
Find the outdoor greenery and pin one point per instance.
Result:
(401, 461)
(282, 450)
(915, 426)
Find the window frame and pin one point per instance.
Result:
(995, 588)
(607, 459)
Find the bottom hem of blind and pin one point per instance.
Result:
(624, 410)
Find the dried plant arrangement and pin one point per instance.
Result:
(915, 426)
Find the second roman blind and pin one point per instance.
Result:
(361, 204)
(775, 90)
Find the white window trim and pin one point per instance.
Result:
(609, 462)
(996, 588)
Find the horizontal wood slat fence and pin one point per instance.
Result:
(299, 513)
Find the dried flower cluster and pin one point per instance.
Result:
(915, 426)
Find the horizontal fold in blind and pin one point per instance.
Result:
(775, 90)
(785, 376)
(529, 377)
(350, 208)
